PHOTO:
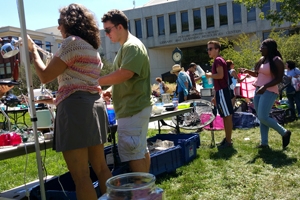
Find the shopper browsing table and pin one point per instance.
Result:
(81, 120)
(131, 91)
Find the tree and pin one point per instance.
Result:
(244, 50)
(289, 10)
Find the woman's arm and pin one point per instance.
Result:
(45, 73)
(247, 71)
(234, 74)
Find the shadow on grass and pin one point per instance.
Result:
(223, 153)
(166, 176)
(277, 158)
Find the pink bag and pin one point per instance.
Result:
(217, 123)
(246, 87)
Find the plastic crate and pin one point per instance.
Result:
(165, 161)
(54, 190)
(188, 142)
(161, 161)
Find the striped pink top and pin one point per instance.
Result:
(84, 66)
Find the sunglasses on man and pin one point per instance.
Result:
(209, 49)
(108, 30)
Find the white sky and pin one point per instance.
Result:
(42, 13)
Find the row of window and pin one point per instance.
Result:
(210, 21)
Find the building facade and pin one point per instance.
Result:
(163, 25)
(43, 38)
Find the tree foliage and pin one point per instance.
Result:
(289, 10)
(244, 50)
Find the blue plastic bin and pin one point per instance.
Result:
(54, 190)
(161, 161)
(188, 142)
(166, 161)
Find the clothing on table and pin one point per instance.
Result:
(133, 95)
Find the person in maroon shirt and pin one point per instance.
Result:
(222, 97)
(191, 72)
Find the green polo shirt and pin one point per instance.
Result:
(133, 95)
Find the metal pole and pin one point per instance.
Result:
(31, 103)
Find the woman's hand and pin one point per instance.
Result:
(31, 44)
(261, 90)
(242, 70)
(5, 88)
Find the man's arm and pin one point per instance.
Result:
(116, 77)
(218, 75)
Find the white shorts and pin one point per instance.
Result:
(132, 135)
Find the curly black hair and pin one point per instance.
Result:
(79, 21)
(116, 17)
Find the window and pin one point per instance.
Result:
(5, 70)
(48, 46)
(161, 25)
(223, 14)
(39, 43)
(237, 17)
(266, 35)
(129, 28)
(251, 15)
(149, 25)
(172, 21)
(210, 20)
(138, 28)
(266, 8)
(278, 6)
(197, 19)
(184, 21)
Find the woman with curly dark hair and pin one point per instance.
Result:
(269, 72)
(81, 119)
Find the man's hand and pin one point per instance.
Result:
(208, 75)
(213, 101)
(106, 95)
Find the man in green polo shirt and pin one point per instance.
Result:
(131, 91)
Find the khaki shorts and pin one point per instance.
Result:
(132, 135)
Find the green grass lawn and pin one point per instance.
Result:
(239, 173)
